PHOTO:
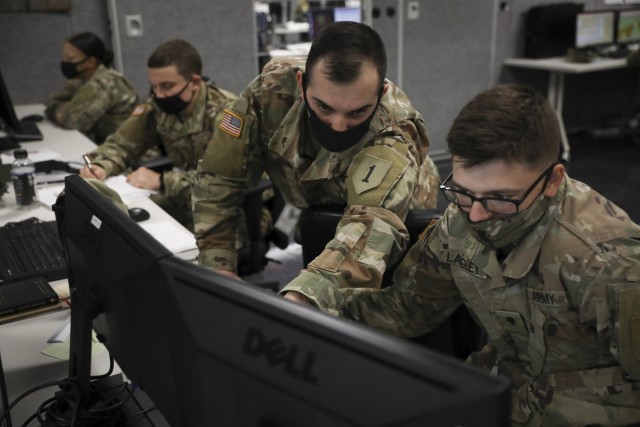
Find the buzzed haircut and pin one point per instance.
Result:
(345, 46)
(509, 122)
(179, 53)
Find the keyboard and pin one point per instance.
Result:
(31, 248)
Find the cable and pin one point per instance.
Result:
(7, 411)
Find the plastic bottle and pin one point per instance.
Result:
(22, 175)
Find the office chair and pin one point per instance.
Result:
(459, 336)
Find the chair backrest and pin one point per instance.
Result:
(317, 226)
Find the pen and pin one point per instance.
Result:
(87, 162)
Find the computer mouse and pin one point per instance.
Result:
(33, 118)
(138, 214)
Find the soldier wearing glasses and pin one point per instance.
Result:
(547, 266)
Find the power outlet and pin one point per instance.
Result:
(413, 10)
(133, 25)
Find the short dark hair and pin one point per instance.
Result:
(92, 46)
(345, 46)
(177, 52)
(508, 122)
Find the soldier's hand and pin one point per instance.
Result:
(230, 274)
(145, 178)
(95, 172)
(298, 297)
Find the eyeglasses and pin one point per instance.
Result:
(494, 205)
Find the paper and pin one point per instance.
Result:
(48, 194)
(174, 238)
(62, 332)
(127, 192)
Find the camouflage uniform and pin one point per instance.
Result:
(379, 179)
(562, 310)
(183, 139)
(96, 107)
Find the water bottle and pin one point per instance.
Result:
(22, 176)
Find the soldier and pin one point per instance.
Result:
(332, 131)
(96, 99)
(548, 267)
(178, 116)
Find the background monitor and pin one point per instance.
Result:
(595, 29)
(347, 14)
(628, 28)
(18, 130)
(212, 351)
(318, 19)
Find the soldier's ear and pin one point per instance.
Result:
(196, 79)
(299, 77)
(557, 174)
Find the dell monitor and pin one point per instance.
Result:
(17, 130)
(595, 29)
(628, 28)
(209, 350)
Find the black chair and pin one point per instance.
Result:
(458, 336)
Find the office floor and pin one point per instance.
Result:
(610, 165)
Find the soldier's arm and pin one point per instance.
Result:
(230, 165)
(371, 235)
(123, 148)
(89, 104)
(57, 99)
(423, 293)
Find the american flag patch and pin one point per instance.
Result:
(231, 123)
(138, 110)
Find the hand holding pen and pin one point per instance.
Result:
(91, 170)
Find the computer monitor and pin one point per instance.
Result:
(209, 350)
(318, 19)
(595, 29)
(628, 27)
(353, 14)
(18, 130)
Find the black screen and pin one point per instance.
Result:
(16, 129)
(212, 351)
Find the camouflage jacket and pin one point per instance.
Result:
(96, 107)
(561, 311)
(183, 139)
(380, 178)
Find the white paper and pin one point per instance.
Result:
(127, 192)
(63, 331)
(174, 238)
(48, 194)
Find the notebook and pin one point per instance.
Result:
(31, 248)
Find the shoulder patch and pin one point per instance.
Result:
(370, 173)
(139, 110)
(231, 123)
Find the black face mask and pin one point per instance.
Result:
(69, 69)
(171, 104)
(333, 140)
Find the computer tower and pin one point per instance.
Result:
(551, 29)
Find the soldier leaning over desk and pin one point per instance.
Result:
(331, 131)
(179, 117)
(547, 266)
(96, 99)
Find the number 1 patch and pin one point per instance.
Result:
(370, 173)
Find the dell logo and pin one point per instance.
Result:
(277, 353)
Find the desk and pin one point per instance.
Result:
(557, 68)
(22, 341)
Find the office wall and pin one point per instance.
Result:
(452, 51)
(31, 43)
